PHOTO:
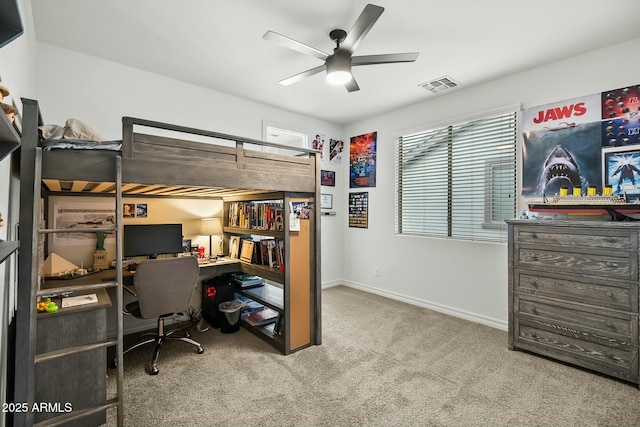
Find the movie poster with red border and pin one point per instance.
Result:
(362, 163)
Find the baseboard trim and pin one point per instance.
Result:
(473, 317)
(331, 284)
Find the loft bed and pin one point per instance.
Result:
(168, 163)
(177, 166)
(163, 160)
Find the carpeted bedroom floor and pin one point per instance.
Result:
(382, 363)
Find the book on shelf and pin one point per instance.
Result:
(263, 215)
(278, 327)
(262, 317)
(245, 280)
(264, 251)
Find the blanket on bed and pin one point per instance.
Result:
(75, 135)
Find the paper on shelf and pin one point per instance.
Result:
(79, 300)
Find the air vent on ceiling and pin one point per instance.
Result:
(440, 84)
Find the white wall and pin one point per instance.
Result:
(463, 278)
(100, 92)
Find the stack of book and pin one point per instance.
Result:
(245, 280)
(262, 317)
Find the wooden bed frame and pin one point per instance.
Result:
(149, 159)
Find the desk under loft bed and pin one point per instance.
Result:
(171, 160)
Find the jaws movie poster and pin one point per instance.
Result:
(562, 147)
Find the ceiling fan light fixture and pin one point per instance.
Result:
(339, 68)
(339, 77)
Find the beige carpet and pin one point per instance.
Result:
(382, 363)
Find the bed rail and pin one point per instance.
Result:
(223, 160)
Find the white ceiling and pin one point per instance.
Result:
(218, 44)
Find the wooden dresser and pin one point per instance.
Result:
(573, 293)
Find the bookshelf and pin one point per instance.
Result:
(290, 273)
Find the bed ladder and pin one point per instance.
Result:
(26, 347)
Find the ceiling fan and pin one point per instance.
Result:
(338, 65)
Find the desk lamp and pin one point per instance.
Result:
(210, 227)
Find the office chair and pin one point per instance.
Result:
(163, 287)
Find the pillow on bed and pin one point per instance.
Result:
(75, 129)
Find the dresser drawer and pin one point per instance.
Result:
(608, 294)
(582, 320)
(618, 265)
(620, 362)
(568, 237)
(605, 341)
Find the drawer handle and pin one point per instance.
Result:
(535, 257)
(609, 294)
(534, 236)
(611, 264)
(611, 326)
(535, 284)
(534, 311)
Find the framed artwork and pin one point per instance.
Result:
(141, 210)
(359, 210)
(362, 166)
(128, 210)
(234, 246)
(328, 178)
(82, 216)
(246, 252)
(621, 169)
(326, 201)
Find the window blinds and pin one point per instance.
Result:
(459, 180)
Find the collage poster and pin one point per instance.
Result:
(362, 164)
(582, 142)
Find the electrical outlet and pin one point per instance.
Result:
(376, 272)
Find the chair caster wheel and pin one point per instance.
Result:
(153, 370)
(187, 334)
(200, 350)
(114, 363)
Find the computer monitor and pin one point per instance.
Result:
(152, 239)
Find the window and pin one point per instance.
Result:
(459, 180)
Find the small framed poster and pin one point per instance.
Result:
(328, 178)
(326, 201)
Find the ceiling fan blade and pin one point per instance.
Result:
(387, 58)
(294, 79)
(295, 45)
(361, 27)
(352, 85)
